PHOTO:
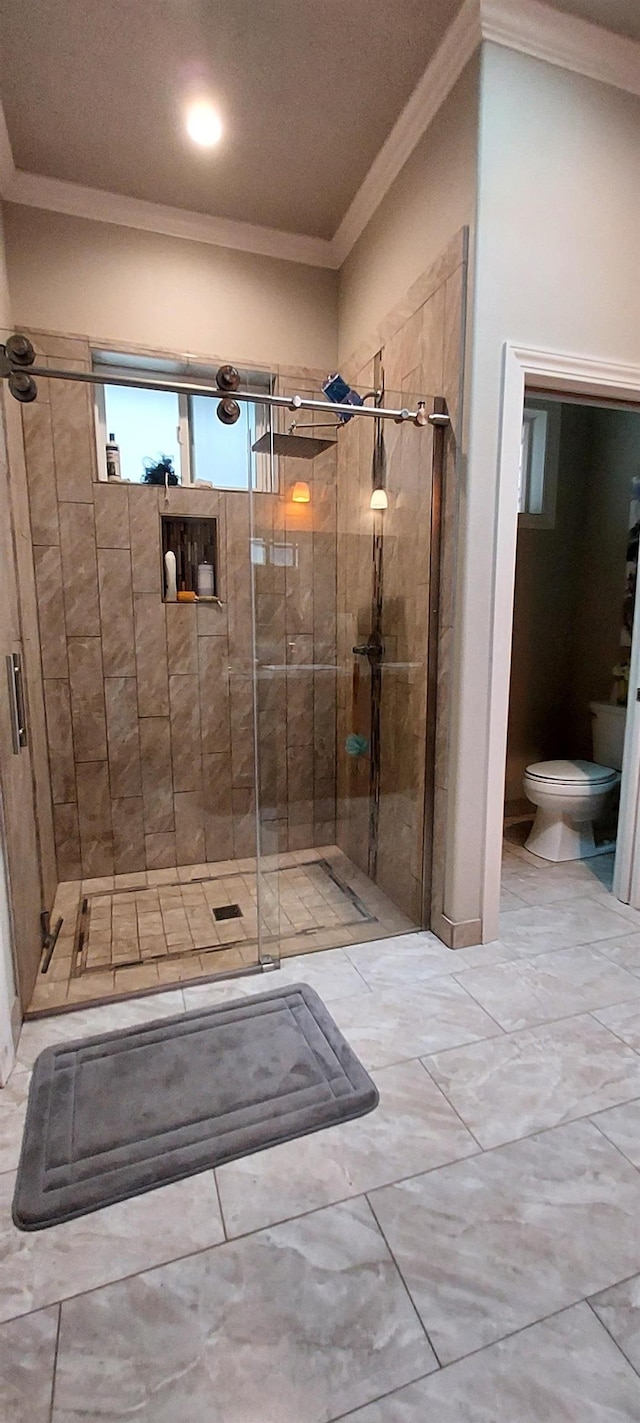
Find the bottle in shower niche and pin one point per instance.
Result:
(113, 459)
(205, 580)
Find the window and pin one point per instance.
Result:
(146, 425)
(150, 424)
(538, 467)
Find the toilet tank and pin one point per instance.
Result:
(607, 730)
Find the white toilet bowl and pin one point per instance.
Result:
(569, 795)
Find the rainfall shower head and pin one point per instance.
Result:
(301, 447)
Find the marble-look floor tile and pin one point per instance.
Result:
(301, 1322)
(43, 1266)
(27, 1355)
(403, 960)
(384, 1028)
(623, 1019)
(624, 951)
(523, 992)
(510, 900)
(542, 927)
(619, 1310)
(45, 1032)
(413, 1129)
(564, 1370)
(328, 971)
(13, 1107)
(539, 1077)
(539, 882)
(506, 1238)
(621, 1125)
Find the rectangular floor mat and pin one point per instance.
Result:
(112, 1116)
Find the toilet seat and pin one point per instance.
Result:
(572, 778)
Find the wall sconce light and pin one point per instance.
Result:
(379, 499)
(301, 493)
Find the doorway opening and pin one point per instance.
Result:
(578, 523)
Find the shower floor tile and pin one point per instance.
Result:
(128, 934)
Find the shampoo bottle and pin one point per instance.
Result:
(113, 459)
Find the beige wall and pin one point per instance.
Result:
(557, 267)
(432, 198)
(115, 284)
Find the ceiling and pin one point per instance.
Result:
(621, 16)
(93, 92)
(308, 89)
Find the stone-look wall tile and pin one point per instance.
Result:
(79, 570)
(53, 640)
(73, 445)
(213, 679)
(453, 351)
(160, 851)
(116, 612)
(94, 817)
(146, 549)
(157, 774)
(242, 730)
(41, 478)
(217, 806)
(182, 638)
(87, 699)
(122, 732)
(238, 579)
(190, 836)
(151, 655)
(185, 733)
(244, 823)
(433, 334)
(57, 703)
(300, 787)
(67, 840)
(129, 852)
(112, 515)
(74, 350)
(212, 620)
(300, 680)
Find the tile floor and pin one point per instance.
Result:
(136, 932)
(467, 1253)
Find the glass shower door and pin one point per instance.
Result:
(341, 614)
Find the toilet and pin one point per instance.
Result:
(570, 795)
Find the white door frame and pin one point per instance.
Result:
(569, 375)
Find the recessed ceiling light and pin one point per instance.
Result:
(204, 125)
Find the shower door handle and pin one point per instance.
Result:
(16, 702)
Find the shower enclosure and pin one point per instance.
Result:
(248, 775)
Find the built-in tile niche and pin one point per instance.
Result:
(194, 543)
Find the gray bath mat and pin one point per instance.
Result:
(118, 1114)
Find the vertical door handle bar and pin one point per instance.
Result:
(16, 702)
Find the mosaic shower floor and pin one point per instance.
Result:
(138, 932)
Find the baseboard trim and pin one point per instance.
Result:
(463, 934)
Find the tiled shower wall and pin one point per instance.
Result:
(149, 706)
(421, 346)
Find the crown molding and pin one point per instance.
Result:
(76, 200)
(528, 26)
(563, 40)
(455, 51)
